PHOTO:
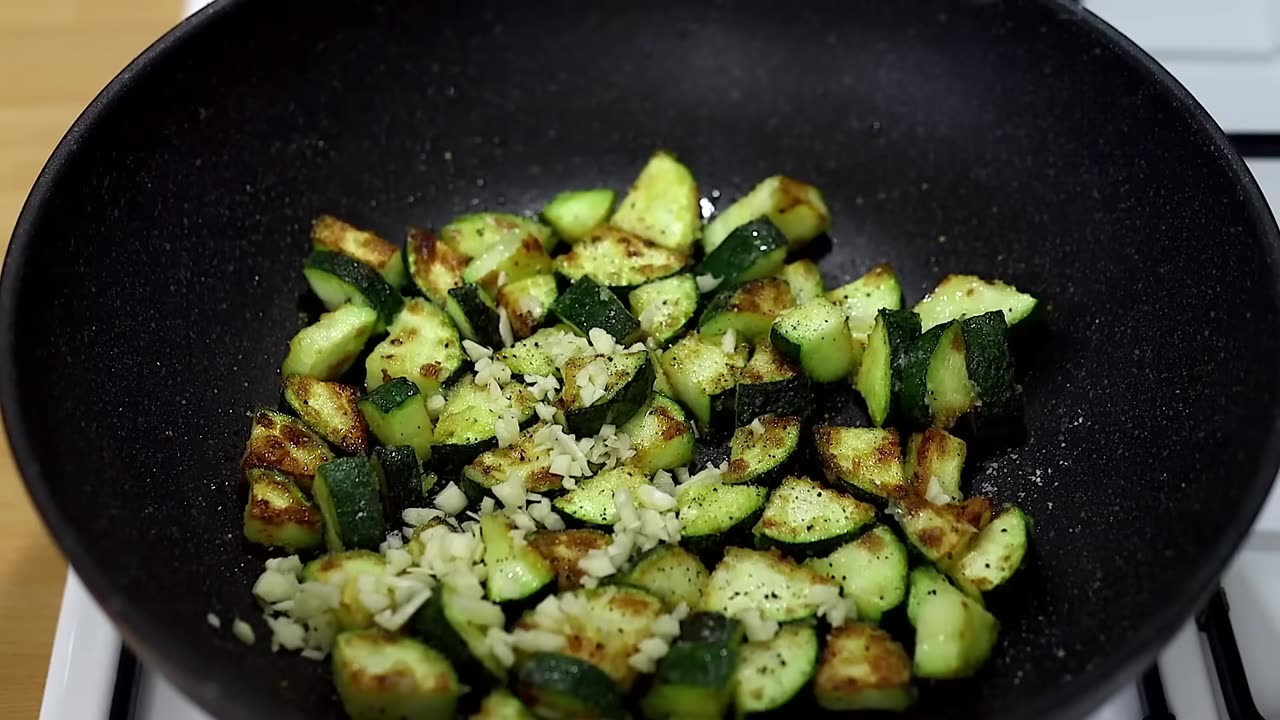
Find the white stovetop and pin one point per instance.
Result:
(1227, 52)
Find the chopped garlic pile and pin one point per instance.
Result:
(729, 341)
(653, 648)
(707, 283)
(644, 522)
(591, 381)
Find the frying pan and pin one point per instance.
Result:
(153, 279)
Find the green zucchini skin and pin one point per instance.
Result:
(348, 492)
(401, 476)
(479, 321)
(881, 375)
(786, 398)
(999, 415)
(587, 304)
(336, 278)
(566, 688)
(754, 250)
(695, 678)
(396, 413)
(915, 377)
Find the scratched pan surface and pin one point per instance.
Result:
(154, 277)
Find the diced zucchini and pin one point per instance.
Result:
(508, 260)
(700, 372)
(695, 679)
(795, 207)
(942, 533)
(502, 705)
(713, 514)
(664, 307)
(591, 501)
(330, 233)
(444, 622)
(881, 373)
(863, 299)
(662, 206)
(712, 628)
(804, 518)
(805, 280)
(397, 414)
(563, 687)
(674, 575)
(962, 296)
(934, 462)
(661, 436)
(754, 250)
(574, 214)
(344, 570)
(530, 356)
(954, 633)
(816, 335)
(467, 425)
(997, 553)
(514, 571)
(434, 267)
(661, 384)
(872, 571)
(616, 258)
(422, 345)
(279, 442)
(761, 456)
(748, 309)
(868, 460)
(380, 675)
(990, 368)
(279, 514)
(528, 302)
(401, 474)
(624, 381)
(587, 304)
(863, 668)
(772, 672)
(523, 458)
(472, 235)
(565, 550)
(615, 621)
(329, 408)
(771, 383)
(763, 580)
(475, 315)
(327, 348)
(348, 492)
(935, 384)
(337, 279)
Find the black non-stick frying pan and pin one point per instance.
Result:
(153, 279)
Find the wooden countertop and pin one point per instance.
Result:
(54, 57)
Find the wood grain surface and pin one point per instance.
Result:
(55, 55)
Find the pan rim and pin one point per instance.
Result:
(1071, 698)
